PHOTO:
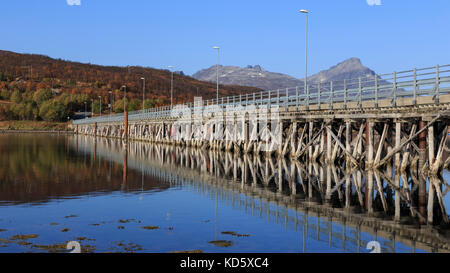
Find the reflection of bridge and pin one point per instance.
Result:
(347, 208)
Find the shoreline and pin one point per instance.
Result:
(7, 131)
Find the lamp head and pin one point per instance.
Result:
(304, 11)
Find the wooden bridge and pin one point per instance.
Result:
(373, 121)
(346, 208)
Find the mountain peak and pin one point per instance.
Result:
(255, 75)
(349, 69)
(255, 67)
(349, 64)
(250, 75)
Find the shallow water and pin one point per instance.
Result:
(137, 197)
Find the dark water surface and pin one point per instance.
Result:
(137, 197)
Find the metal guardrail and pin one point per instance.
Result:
(429, 81)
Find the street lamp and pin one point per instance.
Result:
(85, 109)
(100, 100)
(306, 54)
(217, 73)
(124, 98)
(92, 107)
(110, 103)
(171, 86)
(143, 94)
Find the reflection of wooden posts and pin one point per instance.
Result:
(125, 169)
(95, 148)
(95, 128)
(328, 184)
(369, 192)
(310, 185)
(280, 176)
(422, 182)
(293, 185)
(348, 186)
(125, 124)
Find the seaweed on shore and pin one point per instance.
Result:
(221, 243)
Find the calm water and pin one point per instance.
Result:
(137, 197)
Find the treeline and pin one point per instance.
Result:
(66, 87)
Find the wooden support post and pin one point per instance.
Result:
(430, 145)
(348, 138)
(398, 128)
(370, 144)
(310, 139)
(381, 143)
(434, 168)
(422, 159)
(329, 149)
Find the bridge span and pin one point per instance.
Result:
(399, 118)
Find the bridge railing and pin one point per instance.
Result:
(428, 81)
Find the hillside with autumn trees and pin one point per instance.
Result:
(37, 87)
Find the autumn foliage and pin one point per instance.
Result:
(46, 88)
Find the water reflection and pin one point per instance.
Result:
(346, 208)
(36, 169)
(197, 196)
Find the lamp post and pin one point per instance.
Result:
(100, 100)
(306, 54)
(125, 115)
(124, 98)
(110, 103)
(92, 107)
(171, 86)
(217, 73)
(143, 94)
(85, 109)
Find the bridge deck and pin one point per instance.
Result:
(382, 93)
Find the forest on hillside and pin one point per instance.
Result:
(37, 87)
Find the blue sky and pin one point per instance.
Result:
(396, 35)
